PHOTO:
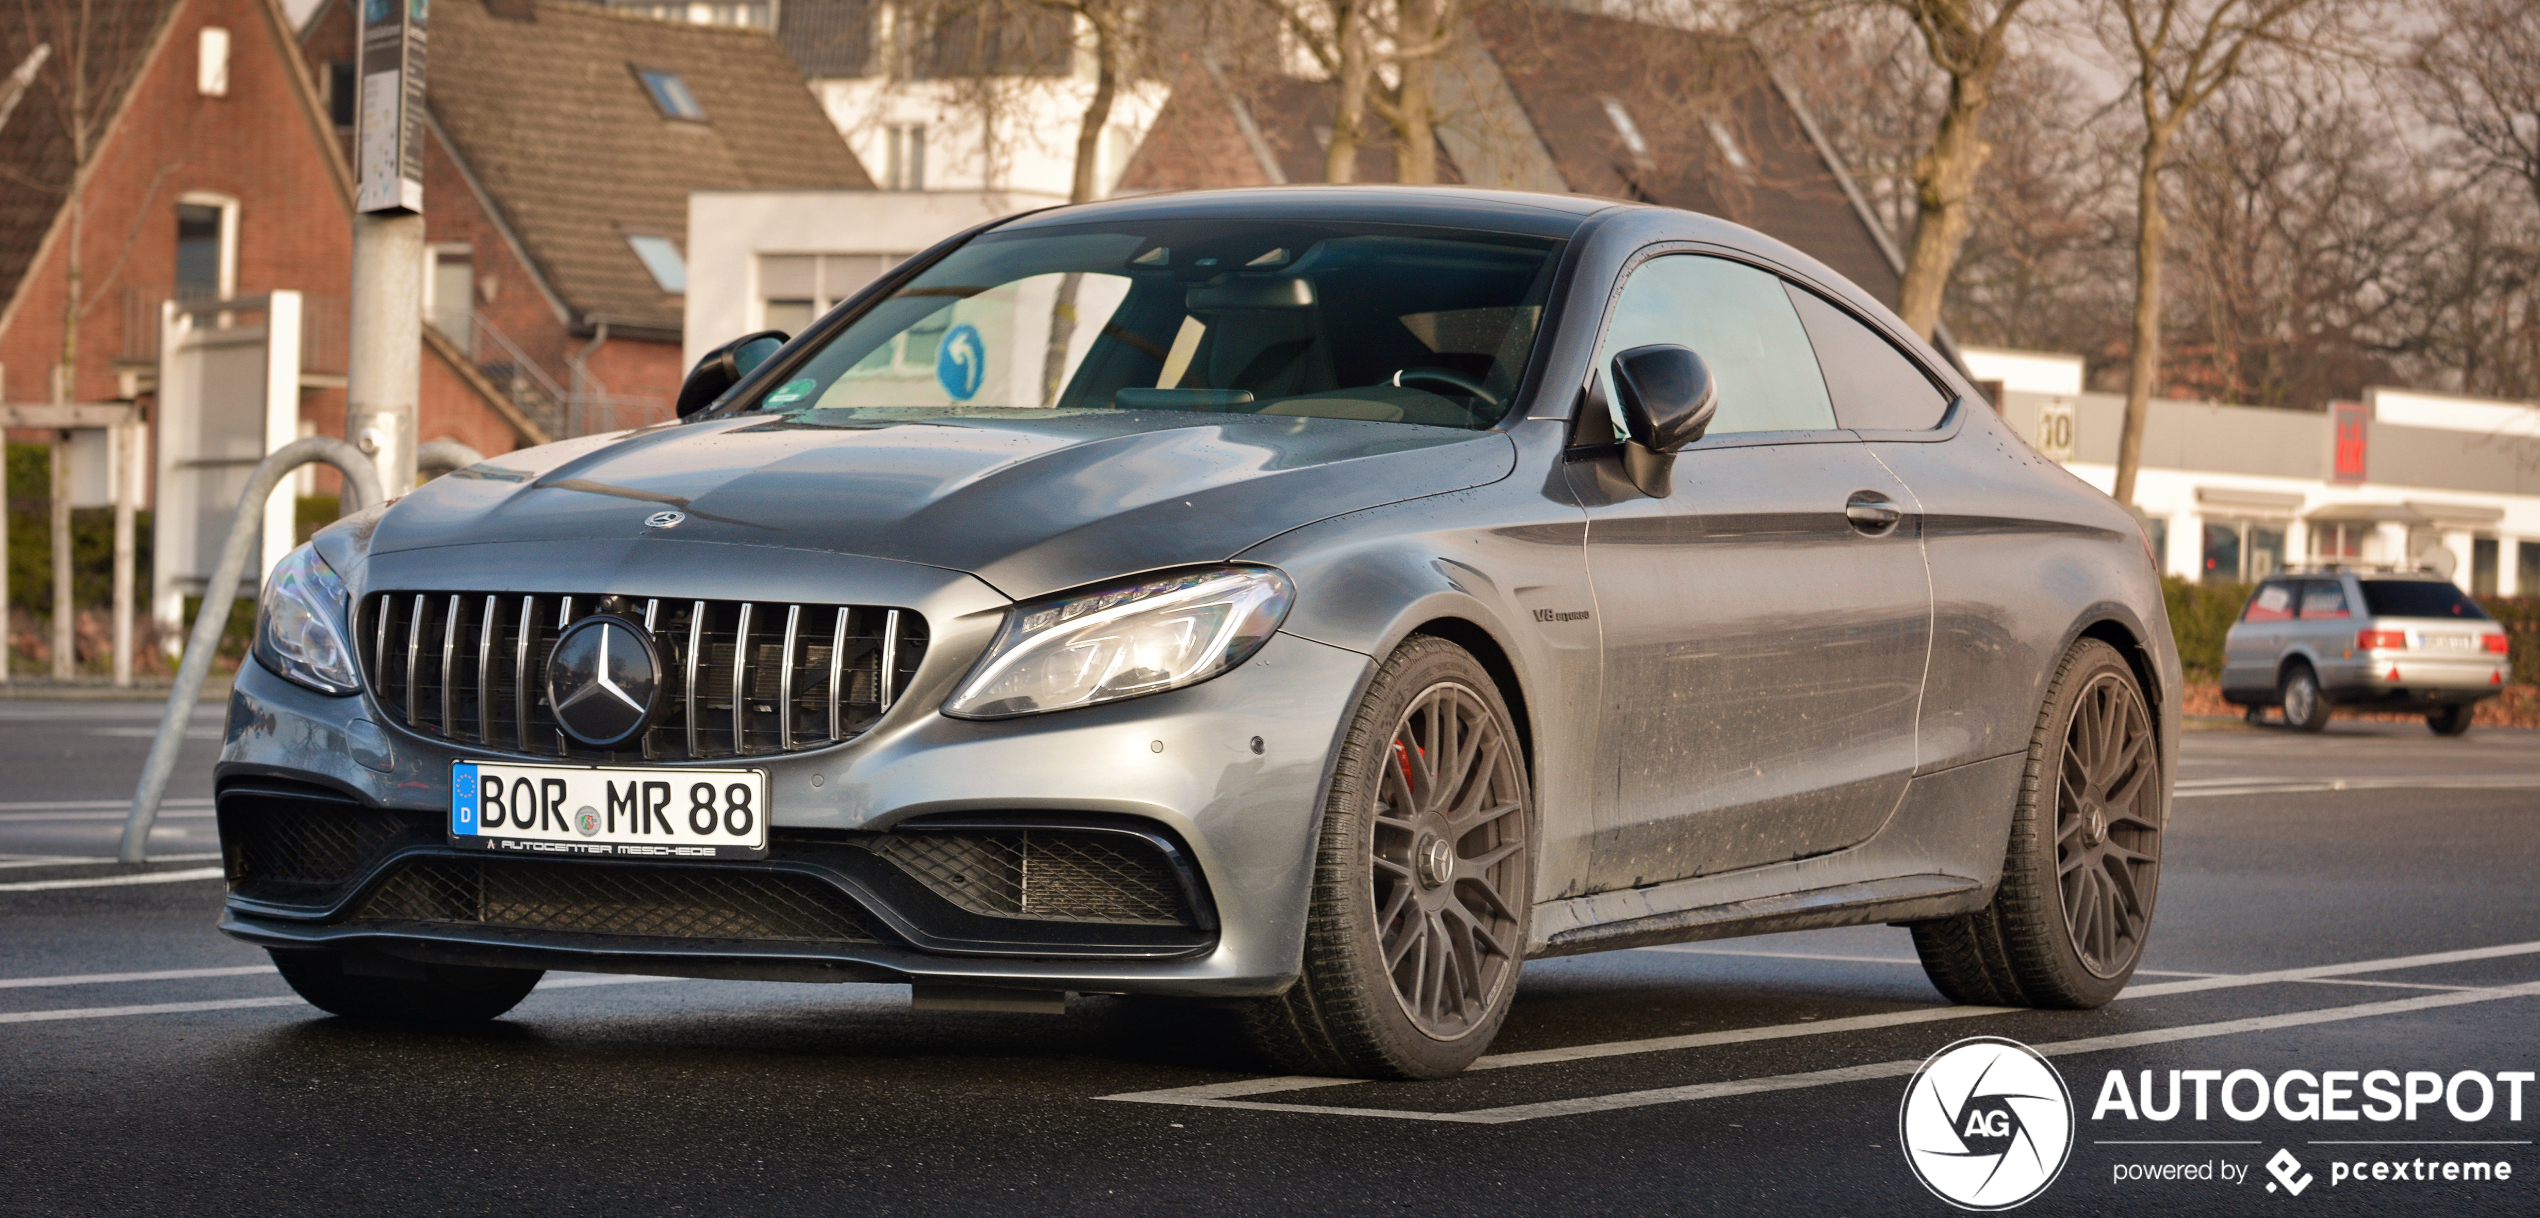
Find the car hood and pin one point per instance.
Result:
(1027, 504)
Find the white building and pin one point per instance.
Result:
(2229, 493)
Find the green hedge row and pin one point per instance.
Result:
(2201, 613)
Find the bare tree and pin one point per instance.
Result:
(1967, 40)
(2180, 54)
(2480, 76)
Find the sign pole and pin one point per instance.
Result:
(385, 375)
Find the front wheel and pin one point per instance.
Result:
(1423, 879)
(2068, 922)
(2450, 720)
(442, 993)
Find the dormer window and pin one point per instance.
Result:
(670, 95)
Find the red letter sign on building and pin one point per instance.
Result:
(2351, 421)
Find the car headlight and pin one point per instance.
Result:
(1123, 641)
(300, 625)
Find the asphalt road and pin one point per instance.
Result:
(2355, 902)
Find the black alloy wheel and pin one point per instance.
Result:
(2068, 923)
(1423, 884)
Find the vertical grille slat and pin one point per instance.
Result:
(825, 675)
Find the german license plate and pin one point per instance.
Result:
(609, 812)
(2449, 642)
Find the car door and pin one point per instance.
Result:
(2255, 643)
(1764, 652)
(2326, 630)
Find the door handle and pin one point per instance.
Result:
(1872, 513)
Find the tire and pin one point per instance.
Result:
(2305, 707)
(2029, 947)
(444, 994)
(2451, 720)
(1445, 891)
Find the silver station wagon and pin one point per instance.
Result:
(1312, 603)
(2406, 641)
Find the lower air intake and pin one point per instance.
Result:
(657, 902)
(1055, 875)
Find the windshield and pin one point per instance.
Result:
(1387, 323)
(2418, 598)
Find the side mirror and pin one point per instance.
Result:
(723, 367)
(1668, 398)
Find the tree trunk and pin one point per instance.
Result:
(1416, 155)
(1944, 185)
(2151, 230)
(1349, 111)
(1099, 14)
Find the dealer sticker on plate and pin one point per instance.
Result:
(611, 812)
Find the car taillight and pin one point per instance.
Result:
(2381, 640)
(2495, 643)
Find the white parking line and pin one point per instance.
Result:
(29, 818)
(1689, 949)
(79, 860)
(75, 805)
(2208, 787)
(171, 974)
(1222, 1094)
(116, 881)
(232, 1004)
(1825, 1078)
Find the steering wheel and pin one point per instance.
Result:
(1449, 377)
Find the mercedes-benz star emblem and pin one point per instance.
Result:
(603, 680)
(664, 520)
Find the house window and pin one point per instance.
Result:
(205, 233)
(454, 294)
(211, 62)
(671, 95)
(796, 288)
(2482, 566)
(1633, 140)
(2337, 541)
(2527, 568)
(904, 162)
(662, 259)
(340, 92)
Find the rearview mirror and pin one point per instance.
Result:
(1667, 397)
(723, 367)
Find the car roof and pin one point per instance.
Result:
(1533, 213)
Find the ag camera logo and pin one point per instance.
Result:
(1987, 1124)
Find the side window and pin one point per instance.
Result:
(1875, 388)
(2273, 603)
(2323, 598)
(1741, 324)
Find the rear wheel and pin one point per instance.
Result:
(2450, 720)
(1422, 885)
(437, 993)
(2068, 923)
(2305, 707)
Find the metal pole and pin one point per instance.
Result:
(65, 627)
(386, 372)
(361, 488)
(123, 449)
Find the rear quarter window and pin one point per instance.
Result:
(2419, 598)
(2273, 603)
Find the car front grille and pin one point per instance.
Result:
(1055, 875)
(615, 899)
(746, 678)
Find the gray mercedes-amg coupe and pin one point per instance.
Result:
(1311, 602)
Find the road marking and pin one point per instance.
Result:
(72, 805)
(78, 860)
(27, 818)
(1692, 950)
(116, 881)
(1845, 1074)
(2203, 788)
(232, 1004)
(173, 974)
(1224, 1092)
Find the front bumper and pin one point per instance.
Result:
(1223, 780)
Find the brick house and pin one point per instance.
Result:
(1537, 97)
(562, 144)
